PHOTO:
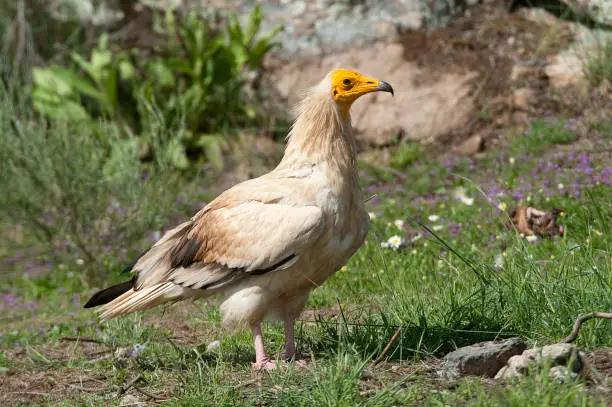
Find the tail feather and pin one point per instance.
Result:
(147, 297)
(108, 294)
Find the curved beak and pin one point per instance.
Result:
(384, 87)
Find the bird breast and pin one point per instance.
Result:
(346, 221)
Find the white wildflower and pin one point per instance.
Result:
(437, 227)
(511, 160)
(80, 262)
(468, 201)
(501, 206)
(560, 186)
(531, 238)
(394, 242)
(433, 218)
(399, 223)
(499, 261)
(417, 237)
(137, 349)
(459, 193)
(372, 215)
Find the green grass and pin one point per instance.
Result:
(598, 67)
(544, 133)
(445, 289)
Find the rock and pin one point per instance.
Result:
(122, 352)
(523, 98)
(564, 69)
(471, 146)
(424, 108)
(563, 355)
(520, 71)
(481, 359)
(129, 400)
(561, 374)
(213, 346)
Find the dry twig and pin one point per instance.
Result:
(79, 339)
(582, 318)
(151, 395)
(387, 347)
(131, 383)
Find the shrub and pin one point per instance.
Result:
(79, 187)
(204, 77)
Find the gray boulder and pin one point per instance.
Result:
(481, 359)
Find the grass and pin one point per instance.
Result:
(598, 67)
(459, 277)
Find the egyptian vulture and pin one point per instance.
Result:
(265, 243)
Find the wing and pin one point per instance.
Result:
(229, 240)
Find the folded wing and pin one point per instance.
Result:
(227, 241)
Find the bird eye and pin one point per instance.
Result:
(346, 82)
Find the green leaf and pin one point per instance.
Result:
(126, 70)
(77, 82)
(176, 153)
(111, 89)
(100, 59)
(45, 78)
(213, 145)
(53, 106)
(250, 111)
(253, 25)
(162, 74)
(180, 65)
(86, 66)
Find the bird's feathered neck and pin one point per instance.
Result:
(321, 135)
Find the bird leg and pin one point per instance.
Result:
(262, 360)
(289, 352)
(289, 339)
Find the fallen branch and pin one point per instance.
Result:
(85, 389)
(129, 385)
(151, 395)
(387, 347)
(80, 339)
(582, 318)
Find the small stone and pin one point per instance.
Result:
(481, 359)
(122, 352)
(132, 401)
(213, 346)
(560, 354)
(562, 375)
(471, 146)
(523, 98)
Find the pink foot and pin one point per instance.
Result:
(264, 364)
(299, 362)
(302, 362)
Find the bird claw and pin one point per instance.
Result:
(264, 364)
(269, 364)
(298, 362)
(302, 362)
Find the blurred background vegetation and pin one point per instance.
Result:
(102, 121)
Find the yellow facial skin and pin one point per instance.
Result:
(348, 85)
